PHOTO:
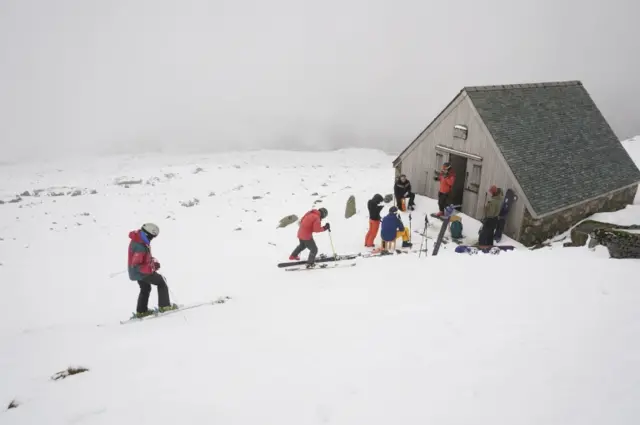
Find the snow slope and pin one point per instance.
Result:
(525, 337)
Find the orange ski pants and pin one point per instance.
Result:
(374, 226)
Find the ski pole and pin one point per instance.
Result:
(112, 275)
(424, 235)
(335, 256)
(175, 300)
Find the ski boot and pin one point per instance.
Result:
(168, 308)
(407, 244)
(143, 314)
(311, 265)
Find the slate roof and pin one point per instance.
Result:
(560, 148)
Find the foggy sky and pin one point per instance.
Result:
(83, 76)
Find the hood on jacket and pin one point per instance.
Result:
(139, 237)
(377, 198)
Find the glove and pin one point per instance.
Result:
(327, 227)
(156, 264)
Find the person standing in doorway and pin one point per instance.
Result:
(447, 178)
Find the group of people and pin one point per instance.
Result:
(143, 267)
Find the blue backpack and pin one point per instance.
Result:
(456, 229)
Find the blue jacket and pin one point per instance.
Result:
(391, 224)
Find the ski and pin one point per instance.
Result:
(319, 259)
(474, 249)
(321, 266)
(181, 308)
(324, 259)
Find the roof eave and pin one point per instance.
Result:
(550, 213)
(399, 157)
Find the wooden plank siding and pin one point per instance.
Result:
(420, 161)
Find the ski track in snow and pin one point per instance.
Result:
(525, 337)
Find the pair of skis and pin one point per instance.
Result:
(325, 262)
(181, 307)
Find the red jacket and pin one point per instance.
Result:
(309, 225)
(446, 183)
(140, 261)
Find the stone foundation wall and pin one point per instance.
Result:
(534, 231)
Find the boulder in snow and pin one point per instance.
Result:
(350, 209)
(285, 221)
(190, 203)
(580, 233)
(70, 371)
(126, 181)
(619, 243)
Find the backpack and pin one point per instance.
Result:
(456, 229)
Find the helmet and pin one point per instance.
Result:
(151, 229)
(323, 212)
(393, 210)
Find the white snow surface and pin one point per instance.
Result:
(550, 336)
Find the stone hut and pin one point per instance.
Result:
(548, 142)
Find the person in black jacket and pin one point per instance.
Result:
(374, 206)
(401, 190)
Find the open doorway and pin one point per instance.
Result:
(459, 165)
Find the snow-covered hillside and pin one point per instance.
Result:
(550, 336)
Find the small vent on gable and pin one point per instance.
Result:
(460, 131)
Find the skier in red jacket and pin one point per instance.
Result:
(309, 225)
(143, 268)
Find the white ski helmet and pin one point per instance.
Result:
(151, 229)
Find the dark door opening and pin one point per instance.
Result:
(459, 165)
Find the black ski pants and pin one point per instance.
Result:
(488, 228)
(400, 197)
(145, 290)
(442, 201)
(311, 246)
